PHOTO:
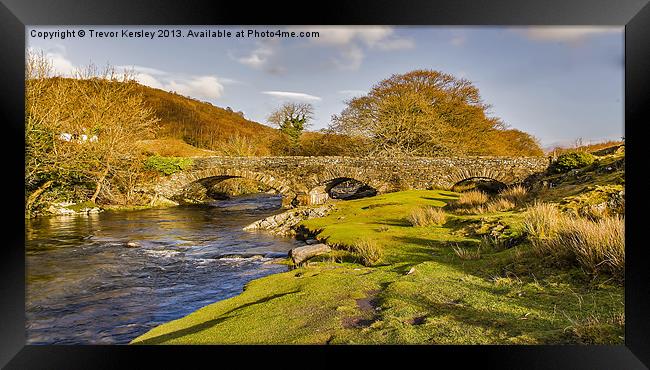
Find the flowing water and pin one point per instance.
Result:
(86, 286)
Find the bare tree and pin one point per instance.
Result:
(292, 119)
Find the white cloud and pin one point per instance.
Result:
(565, 33)
(351, 42)
(351, 58)
(292, 95)
(348, 42)
(196, 86)
(259, 57)
(61, 66)
(141, 69)
(148, 80)
(205, 86)
(381, 37)
(458, 40)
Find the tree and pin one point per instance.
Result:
(421, 113)
(292, 119)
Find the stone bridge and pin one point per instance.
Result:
(308, 180)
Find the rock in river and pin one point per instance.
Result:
(301, 254)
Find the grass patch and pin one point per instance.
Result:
(167, 165)
(422, 292)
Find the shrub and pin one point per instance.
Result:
(515, 194)
(368, 252)
(167, 165)
(425, 216)
(572, 160)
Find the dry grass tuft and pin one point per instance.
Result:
(467, 253)
(592, 330)
(426, 216)
(471, 199)
(499, 205)
(515, 194)
(597, 246)
(368, 252)
(542, 220)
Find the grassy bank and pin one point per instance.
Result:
(432, 284)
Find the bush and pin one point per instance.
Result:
(368, 252)
(425, 216)
(167, 165)
(572, 160)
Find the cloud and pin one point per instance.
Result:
(381, 37)
(351, 58)
(292, 95)
(61, 65)
(259, 57)
(197, 86)
(458, 40)
(205, 86)
(141, 69)
(352, 41)
(570, 34)
(348, 42)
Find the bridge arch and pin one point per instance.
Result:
(460, 175)
(216, 174)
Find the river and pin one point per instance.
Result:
(85, 286)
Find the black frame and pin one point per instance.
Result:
(15, 14)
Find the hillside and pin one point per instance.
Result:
(204, 125)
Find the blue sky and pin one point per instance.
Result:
(557, 83)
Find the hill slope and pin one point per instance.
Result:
(204, 125)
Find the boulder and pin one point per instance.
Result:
(285, 223)
(301, 254)
(133, 245)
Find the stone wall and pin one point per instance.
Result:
(299, 178)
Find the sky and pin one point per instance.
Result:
(557, 83)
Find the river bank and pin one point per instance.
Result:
(422, 291)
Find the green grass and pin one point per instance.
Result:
(167, 165)
(421, 292)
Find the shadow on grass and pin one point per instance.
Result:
(207, 324)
